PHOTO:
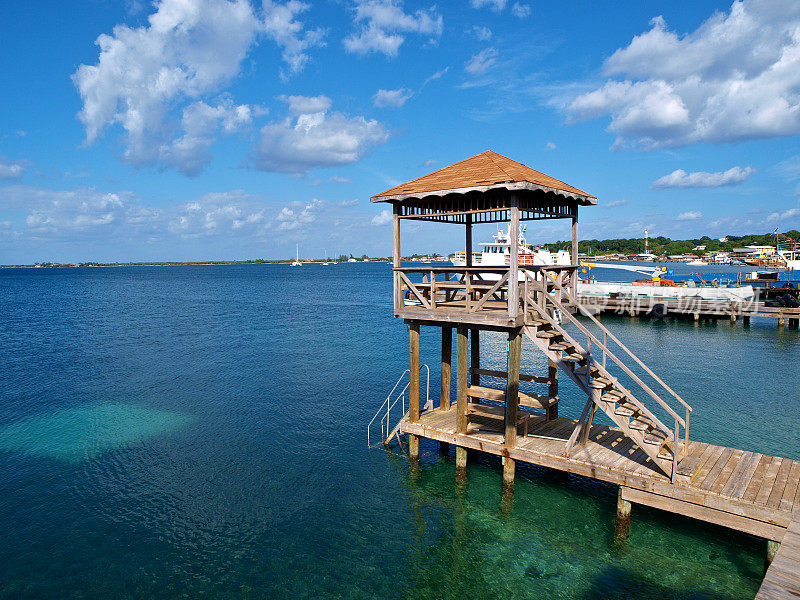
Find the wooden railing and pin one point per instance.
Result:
(555, 294)
(469, 290)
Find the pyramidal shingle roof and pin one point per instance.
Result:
(485, 170)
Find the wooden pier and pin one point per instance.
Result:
(692, 308)
(646, 451)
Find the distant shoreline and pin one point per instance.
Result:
(178, 264)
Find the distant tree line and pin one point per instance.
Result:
(661, 245)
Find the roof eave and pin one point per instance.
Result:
(583, 199)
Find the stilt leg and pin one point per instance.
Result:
(772, 550)
(622, 525)
(461, 463)
(413, 447)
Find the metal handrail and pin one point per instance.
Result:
(619, 362)
(624, 347)
(389, 404)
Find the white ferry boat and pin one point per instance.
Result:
(655, 287)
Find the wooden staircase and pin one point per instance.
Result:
(545, 306)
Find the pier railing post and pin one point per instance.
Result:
(512, 407)
(413, 389)
(552, 389)
(513, 269)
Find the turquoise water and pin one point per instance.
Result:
(192, 432)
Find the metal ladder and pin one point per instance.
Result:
(385, 411)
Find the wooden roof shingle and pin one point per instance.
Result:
(482, 172)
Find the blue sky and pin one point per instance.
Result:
(216, 129)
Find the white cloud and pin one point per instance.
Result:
(383, 25)
(551, 146)
(777, 217)
(301, 105)
(348, 203)
(151, 79)
(392, 98)
(481, 33)
(9, 170)
(614, 203)
(218, 214)
(520, 10)
(383, 218)
(438, 75)
(495, 5)
(701, 179)
(690, 215)
(315, 139)
(289, 34)
(734, 78)
(338, 179)
(480, 62)
(428, 163)
(295, 217)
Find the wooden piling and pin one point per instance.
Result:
(622, 524)
(413, 446)
(461, 398)
(512, 386)
(552, 389)
(447, 356)
(413, 390)
(772, 550)
(475, 356)
(509, 467)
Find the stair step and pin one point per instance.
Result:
(641, 423)
(583, 370)
(538, 322)
(499, 395)
(574, 357)
(603, 380)
(546, 335)
(624, 411)
(562, 346)
(612, 396)
(655, 437)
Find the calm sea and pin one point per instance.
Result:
(200, 432)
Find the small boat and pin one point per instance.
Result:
(296, 262)
(697, 263)
(326, 263)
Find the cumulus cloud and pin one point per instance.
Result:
(9, 170)
(690, 215)
(701, 179)
(348, 203)
(736, 77)
(481, 33)
(281, 26)
(154, 79)
(551, 146)
(383, 25)
(520, 10)
(777, 217)
(313, 137)
(495, 5)
(614, 203)
(392, 98)
(383, 218)
(291, 218)
(480, 62)
(67, 213)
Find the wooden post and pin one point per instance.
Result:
(468, 240)
(447, 356)
(398, 293)
(513, 269)
(772, 550)
(512, 386)
(413, 446)
(461, 379)
(575, 251)
(746, 321)
(552, 389)
(622, 525)
(475, 355)
(413, 390)
(509, 467)
(461, 398)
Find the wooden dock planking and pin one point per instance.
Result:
(748, 491)
(782, 581)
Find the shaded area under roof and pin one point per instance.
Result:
(482, 172)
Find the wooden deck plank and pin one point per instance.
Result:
(770, 476)
(714, 452)
(781, 480)
(782, 581)
(726, 472)
(714, 472)
(757, 479)
(789, 493)
(740, 471)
